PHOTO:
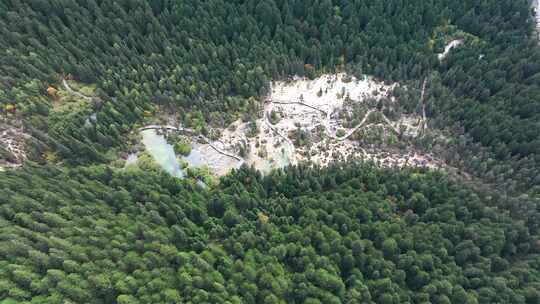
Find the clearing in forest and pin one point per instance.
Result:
(331, 118)
(323, 120)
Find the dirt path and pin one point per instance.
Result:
(238, 158)
(71, 91)
(302, 104)
(422, 101)
(453, 44)
(326, 122)
(287, 139)
(165, 127)
(187, 130)
(358, 126)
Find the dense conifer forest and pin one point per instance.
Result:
(346, 234)
(206, 58)
(75, 229)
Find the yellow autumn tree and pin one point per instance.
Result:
(52, 92)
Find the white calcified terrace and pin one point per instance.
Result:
(12, 139)
(313, 107)
(311, 104)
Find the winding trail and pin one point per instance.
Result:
(326, 123)
(390, 123)
(323, 121)
(165, 127)
(238, 158)
(287, 139)
(422, 101)
(73, 92)
(301, 104)
(450, 46)
(351, 131)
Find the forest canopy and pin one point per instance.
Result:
(207, 60)
(347, 234)
(76, 229)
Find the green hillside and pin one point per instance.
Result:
(78, 78)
